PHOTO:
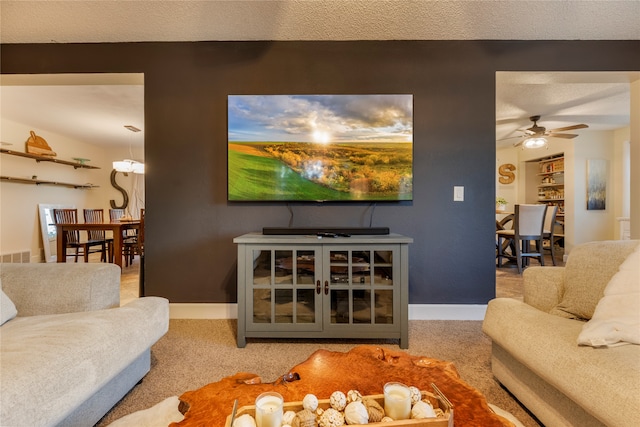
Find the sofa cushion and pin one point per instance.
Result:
(7, 307)
(589, 269)
(605, 382)
(77, 353)
(616, 319)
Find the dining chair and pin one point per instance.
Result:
(116, 214)
(549, 236)
(129, 237)
(96, 216)
(528, 227)
(505, 223)
(70, 216)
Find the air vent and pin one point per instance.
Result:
(23, 257)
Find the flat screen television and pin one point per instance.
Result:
(320, 148)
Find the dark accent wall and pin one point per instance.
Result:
(190, 225)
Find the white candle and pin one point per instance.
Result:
(269, 410)
(397, 401)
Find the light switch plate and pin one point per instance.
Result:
(458, 193)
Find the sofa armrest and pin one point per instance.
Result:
(37, 289)
(543, 287)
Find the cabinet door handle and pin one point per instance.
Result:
(326, 287)
(318, 287)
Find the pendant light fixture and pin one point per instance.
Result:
(128, 165)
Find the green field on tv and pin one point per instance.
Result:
(300, 171)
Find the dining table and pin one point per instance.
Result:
(117, 227)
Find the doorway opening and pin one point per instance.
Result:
(83, 118)
(601, 100)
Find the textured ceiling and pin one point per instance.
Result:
(121, 21)
(600, 100)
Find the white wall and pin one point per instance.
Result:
(593, 225)
(622, 175)
(19, 220)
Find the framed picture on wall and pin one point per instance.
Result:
(596, 184)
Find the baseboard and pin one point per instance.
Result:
(416, 311)
(203, 311)
(447, 311)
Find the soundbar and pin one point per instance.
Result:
(270, 231)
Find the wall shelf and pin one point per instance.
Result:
(38, 158)
(43, 182)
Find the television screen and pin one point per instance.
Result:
(320, 147)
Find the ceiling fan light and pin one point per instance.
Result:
(534, 142)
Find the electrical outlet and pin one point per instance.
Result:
(458, 193)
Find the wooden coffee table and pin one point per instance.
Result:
(364, 368)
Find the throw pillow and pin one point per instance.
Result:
(7, 308)
(616, 320)
(589, 269)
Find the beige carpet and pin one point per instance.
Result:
(197, 352)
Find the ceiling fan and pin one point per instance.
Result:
(534, 136)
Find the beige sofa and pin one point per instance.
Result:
(72, 352)
(535, 351)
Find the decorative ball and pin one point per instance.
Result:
(310, 402)
(304, 418)
(422, 410)
(354, 396)
(387, 420)
(356, 413)
(338, 400)
(374, 409)
(287, 417)
(416, 395)
(245, 420)
(331, 418)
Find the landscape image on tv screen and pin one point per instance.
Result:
(320, 147)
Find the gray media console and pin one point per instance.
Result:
(301, 286)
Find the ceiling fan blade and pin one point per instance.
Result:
(562, 135)
(517, 144)
(509, 137)
(580, 126)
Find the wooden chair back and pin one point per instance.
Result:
(94, 216)
(116, 214)
(68, 216)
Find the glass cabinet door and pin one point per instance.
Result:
(285, 289)
(360, 288)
